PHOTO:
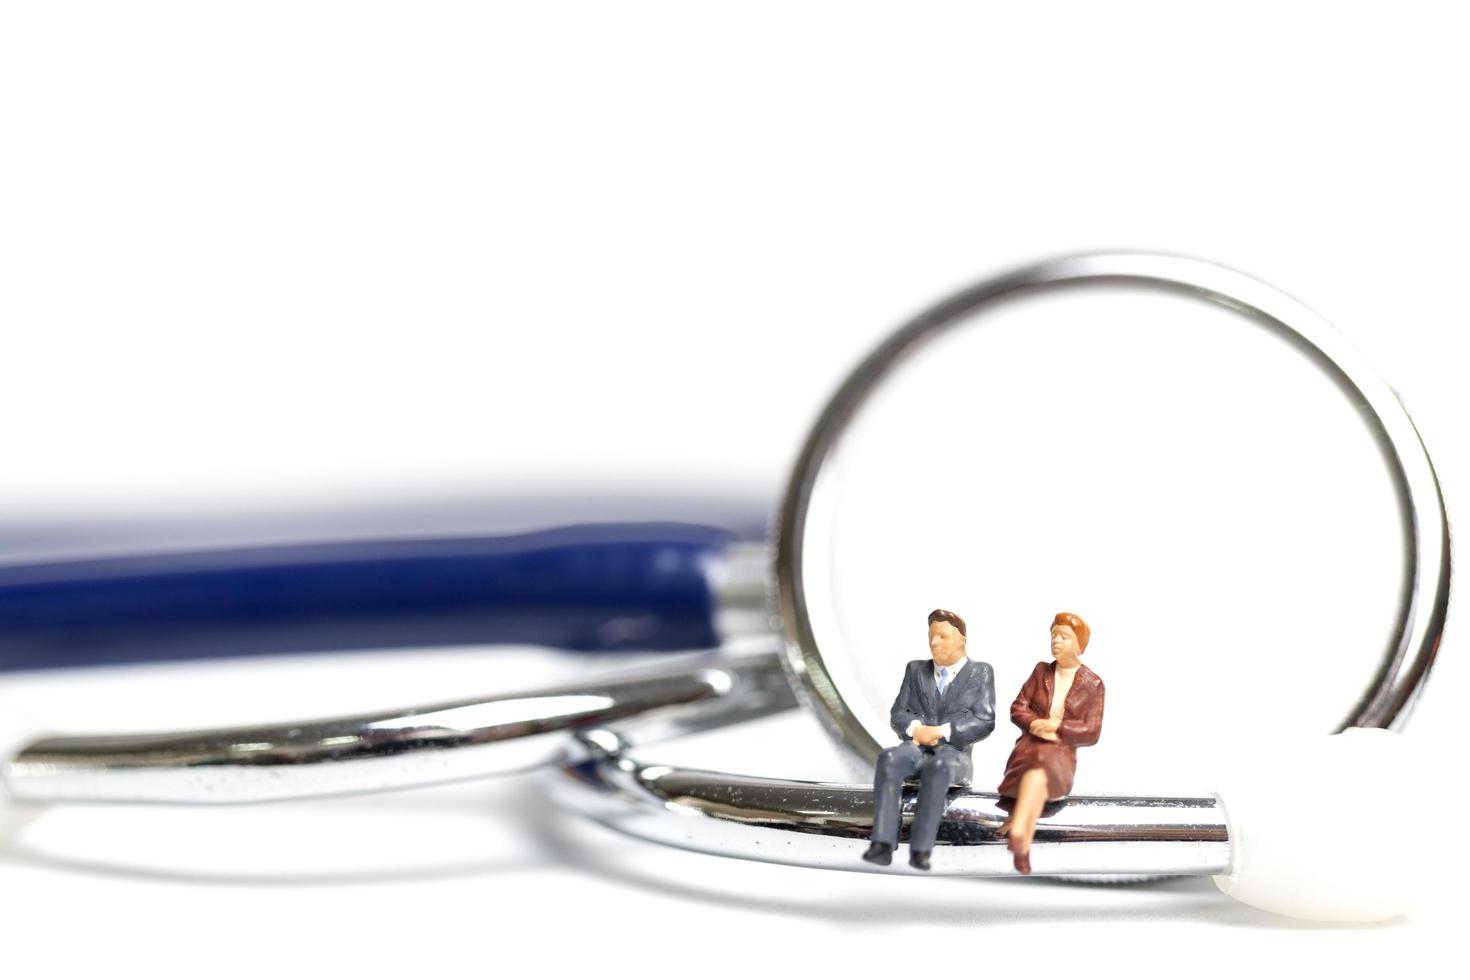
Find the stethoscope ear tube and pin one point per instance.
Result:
(1414, 639)
(1271, 839)
(1267, 837)
(821, 825)
(392, 749)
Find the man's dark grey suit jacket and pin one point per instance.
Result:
(968, 704)
(968, 707)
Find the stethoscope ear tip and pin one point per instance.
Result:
(1305, 828)
(17, 730)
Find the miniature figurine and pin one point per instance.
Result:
(945, 706)
(1060, 708)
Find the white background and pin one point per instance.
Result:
(311, 255)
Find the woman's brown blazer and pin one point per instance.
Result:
(1081, 725)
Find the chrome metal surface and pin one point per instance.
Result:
(739, 583)
(394, 749)
(826, 825)
(1425, 591)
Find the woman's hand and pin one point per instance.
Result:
(1044, 728)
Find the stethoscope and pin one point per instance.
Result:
(682, 587)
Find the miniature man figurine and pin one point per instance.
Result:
(945, 705)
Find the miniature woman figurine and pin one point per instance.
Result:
(1060, 707)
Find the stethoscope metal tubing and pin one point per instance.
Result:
(823, 825)
(1424, 595)
(393, 749)
(774, 820)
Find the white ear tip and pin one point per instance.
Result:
(1314, 828)
(17, 730)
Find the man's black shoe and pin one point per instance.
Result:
(879, 853)
(919, 859)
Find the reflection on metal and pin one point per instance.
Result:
(824, 825)
(394, 749)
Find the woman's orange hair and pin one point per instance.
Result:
(1078, 626)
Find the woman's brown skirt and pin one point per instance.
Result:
(1057, 759)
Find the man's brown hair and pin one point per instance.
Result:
(1078, 626)
(944, 615)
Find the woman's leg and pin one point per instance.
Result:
(1029, 800)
